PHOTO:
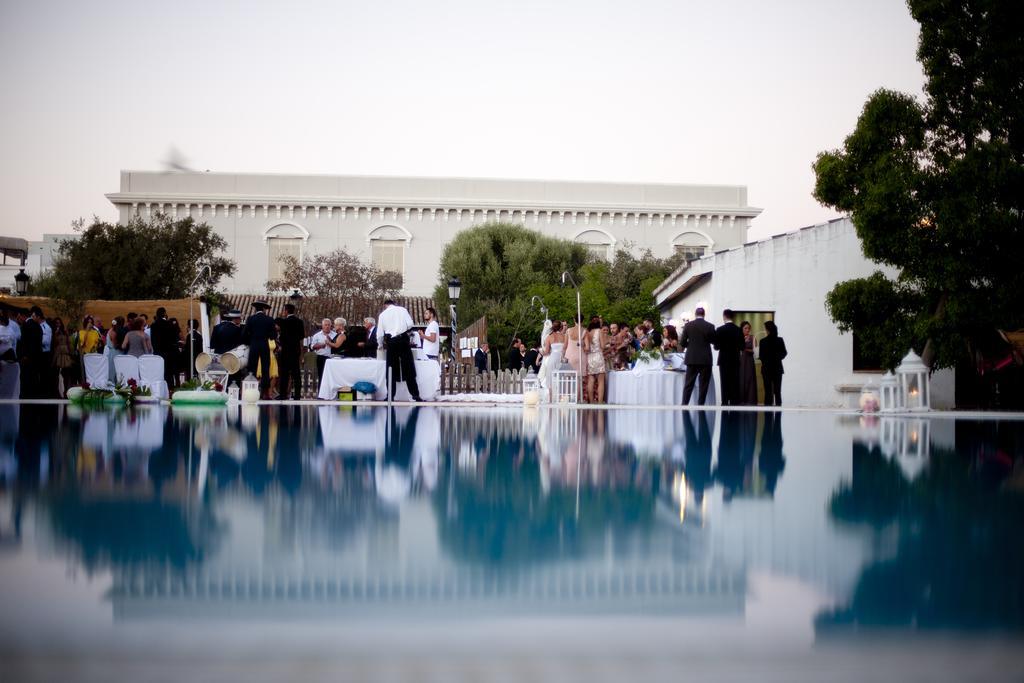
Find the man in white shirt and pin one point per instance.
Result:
(320, 344)
(393, 330)
(431, 337)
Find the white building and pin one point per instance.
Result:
(786, 278)
(403, 224)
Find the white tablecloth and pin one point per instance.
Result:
(656, 387)
(345, 372)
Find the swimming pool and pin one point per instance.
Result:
(493, 542)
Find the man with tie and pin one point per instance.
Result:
(369, 347)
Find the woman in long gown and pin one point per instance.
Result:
(553, 352)
(748, 378)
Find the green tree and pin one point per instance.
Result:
(936, 190)
(499, 264)
(154, 259)
(502, 266)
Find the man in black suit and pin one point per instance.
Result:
(697, 337)
(531, 361)
(30, 353)
(165, 344)
(729, 342)
(368, 348)
(259, 330)
(293, 331)
(227, 334)
(480, 357)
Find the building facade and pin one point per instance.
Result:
(786, 278)
(403, 224)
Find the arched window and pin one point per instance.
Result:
(598, 242)
(387, 247)
(692, 245)
(283, 239)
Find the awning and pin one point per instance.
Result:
(15, 247)
(693, 282)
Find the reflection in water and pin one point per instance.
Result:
(347, 509)
(958, 558)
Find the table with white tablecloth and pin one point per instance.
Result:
(650, 387)
(346, 372)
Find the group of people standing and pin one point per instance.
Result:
(51, 354)
(737, 348)
(275, 346)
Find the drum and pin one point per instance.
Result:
(203, 361)
(236, 359)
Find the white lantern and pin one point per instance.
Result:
(530, 388)
(250, 389)
(914, 391)
(889, 399)
(216, 373)
(566, 385)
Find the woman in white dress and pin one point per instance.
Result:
(554, 349)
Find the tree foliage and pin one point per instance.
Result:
(502, 266)
(936, 190)
(337, 282)
(154, 259)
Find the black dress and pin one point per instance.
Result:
(748, 378)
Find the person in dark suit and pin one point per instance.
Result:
(532, 359)
(165, 345)
(193, 345)
(730, 343)
(30, 353)
(260, 328)
(289, 358)
(515, 355)
(480, 357)
(772, 350)
(227, 334)
(368, 347)
(697, 337)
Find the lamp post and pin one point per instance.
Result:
(579, 321)
(454, 290)
(21, 281)
(191, 317)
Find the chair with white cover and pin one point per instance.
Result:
(97, 370)
(151, 374)
(126, 367)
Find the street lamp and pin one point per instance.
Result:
(296, 297)
(21, 281)
(454, 290)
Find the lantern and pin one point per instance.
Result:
(889, 399)
(912, 374)
(531, 389)
(566, 385)
(217, 373)
(250, 389)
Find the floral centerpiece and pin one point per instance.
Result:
(122, 393)
(645, 356)
(198, 390)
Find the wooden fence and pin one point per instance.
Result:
(456, 378)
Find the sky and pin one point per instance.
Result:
(717, 92)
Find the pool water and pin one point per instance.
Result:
(333, 542)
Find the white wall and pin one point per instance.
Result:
(343, 211)
(791, 274)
